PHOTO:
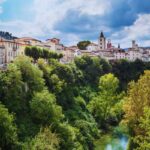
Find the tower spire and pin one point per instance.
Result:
(102, 34)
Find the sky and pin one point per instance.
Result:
(74, 20)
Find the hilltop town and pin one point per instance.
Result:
(11, 47)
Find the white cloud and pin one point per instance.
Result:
(139, 31)
(1, 9)
(48, 12)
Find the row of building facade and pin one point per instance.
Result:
(10, 49)
(105, 49)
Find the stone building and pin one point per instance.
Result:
(102, 42)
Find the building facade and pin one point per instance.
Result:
(9, 50)
(92, 47)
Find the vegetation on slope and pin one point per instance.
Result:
(67, 106)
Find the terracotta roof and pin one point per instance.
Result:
(28, 38)
(53, 39)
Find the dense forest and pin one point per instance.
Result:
(46, 105)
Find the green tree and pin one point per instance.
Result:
(143, 137)
(53, 82)
(128, 71)
(8, 130)
(83, 44)
(36, 53)
(137, 99)
(28, 51)
(44, 140)
(44, 108)
(101, 105)
(32, 76)
(12, 88)
(92, 68)
(69, 137)
(64, 72)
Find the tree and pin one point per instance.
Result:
(54, 55)
(64, 72)
(32, 76)
(69, 137)
(44, 140)
(11, 88)
(44, 108)
(8, 130)
(137, 99)
(143, 138)
(36, 53)
(101, 105)
(83, 44)
(53, 82)
(92, 68)
(128, 71)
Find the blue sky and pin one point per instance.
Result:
(75, 20)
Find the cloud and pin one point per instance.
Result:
(52, 12)
(48, 14)
(74, 20)
(140, 31)
(116, 16)
(1, 9)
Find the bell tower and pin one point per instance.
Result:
(102, 41)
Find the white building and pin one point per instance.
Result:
(108, 55)
(92, 47)
(9, 50)
(133, 54)
(69, 54)
(55, 45)
(120, 54)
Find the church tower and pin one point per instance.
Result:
(102, 42)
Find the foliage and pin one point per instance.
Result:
(37, 53)
(83, 44)
(32, 76)
(69, 136)
(44, 140)
(44, 108)
(11, 88)
(92, 68)
(8, 130)
(7, 35)
(101, 106)
(78, 100)
(143, 138)
(128, 71)
(137, 100)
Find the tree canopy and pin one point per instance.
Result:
(45, 104)
(82, 45)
